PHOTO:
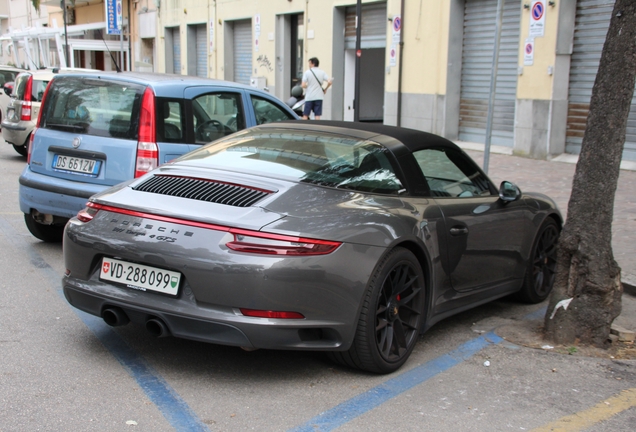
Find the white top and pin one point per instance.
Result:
(314, 86)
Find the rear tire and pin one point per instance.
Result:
(391, 317)
(22, 149)
(539, 278)
(46, 233)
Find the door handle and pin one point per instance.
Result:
(455, 231)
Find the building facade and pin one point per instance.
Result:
(434, 65)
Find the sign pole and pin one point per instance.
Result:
(356, 97)
(65, 34)
(399, 92)
(493, 82)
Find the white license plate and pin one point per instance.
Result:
(11, 113)
(76, 165)
(140, 277)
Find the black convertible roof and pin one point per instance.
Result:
(412, 139)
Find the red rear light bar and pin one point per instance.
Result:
(245, 241)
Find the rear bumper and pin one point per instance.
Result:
(50, 195)
(15, 133)
(223, 326)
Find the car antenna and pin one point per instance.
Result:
(111, 54)
(31, 59)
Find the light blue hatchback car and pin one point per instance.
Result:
(99, 129)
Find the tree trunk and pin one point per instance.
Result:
(586, 270)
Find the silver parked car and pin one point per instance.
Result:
(24, 106)
(342, 237)
(7, 81)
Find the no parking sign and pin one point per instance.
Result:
(537, 18)
(397, 29)
(528, 52)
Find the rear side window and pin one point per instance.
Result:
(6, 76)
(449, 174)
(93, 107)
(170, 120)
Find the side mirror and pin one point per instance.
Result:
(8, 88)
(509, 192)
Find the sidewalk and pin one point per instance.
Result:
(554, 178)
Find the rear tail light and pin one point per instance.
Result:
(273, 244)
(88, 213)
(25, 115)
(147, 150)
(37, 125)
(30, 145)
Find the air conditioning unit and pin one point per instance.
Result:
(258, 82)
(70, 16)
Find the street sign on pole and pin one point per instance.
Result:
(111, 17)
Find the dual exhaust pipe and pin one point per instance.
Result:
(115, 317)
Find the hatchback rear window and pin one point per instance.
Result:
(317, 158)
(93, 107)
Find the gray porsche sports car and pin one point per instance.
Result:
(349, 238)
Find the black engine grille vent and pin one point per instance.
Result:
(203, 190)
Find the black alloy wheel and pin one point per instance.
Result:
(542, 268)
(398, 312)
(391, 317)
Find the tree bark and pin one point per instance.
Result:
(586, 270)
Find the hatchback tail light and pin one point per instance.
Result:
(147, 150)
(25, 114)
(37, 125)
(30, 145)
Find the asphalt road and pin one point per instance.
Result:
(61, 369)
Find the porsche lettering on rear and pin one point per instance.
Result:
(143, 230)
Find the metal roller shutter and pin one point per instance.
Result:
(202, 52)
(374, 24)
(592, 22)
(176, 50)
(243, 51)
(479, 40)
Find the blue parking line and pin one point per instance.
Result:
(174, 409)
(355, 407)
(171, 405)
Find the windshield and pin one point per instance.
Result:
(309, 157)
